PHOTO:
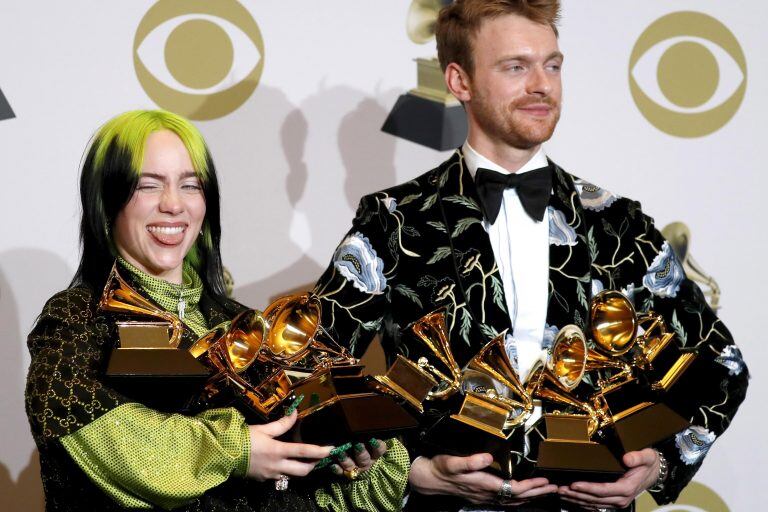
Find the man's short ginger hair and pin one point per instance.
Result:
(459, 22)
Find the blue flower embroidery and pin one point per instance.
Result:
(595, 198)
(665, 274)
(550, 331)
(732, 359)
(560, 233)
(694, 443)
(356, 260)
(597, 287)
(390, 203)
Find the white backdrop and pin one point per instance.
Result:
(296, 156)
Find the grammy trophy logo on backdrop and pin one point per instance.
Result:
(6, 112)
(696, 497)
(687, 74)
(197, 58)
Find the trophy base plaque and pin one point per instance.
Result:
(452, 437)
(146, 367)
(427, 122)
(568, 455)
(646, 427)
(564, 462)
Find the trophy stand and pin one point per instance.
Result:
(567, 454)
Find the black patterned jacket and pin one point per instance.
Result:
(421, 245)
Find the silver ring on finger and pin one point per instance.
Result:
(281, 483)
(505, 491)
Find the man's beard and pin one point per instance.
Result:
(499, 121)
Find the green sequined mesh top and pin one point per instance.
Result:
(103, 450)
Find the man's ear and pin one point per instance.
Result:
(458, 82)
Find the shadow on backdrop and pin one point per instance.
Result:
(28, 277)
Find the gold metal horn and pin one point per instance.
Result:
(543, 385)
(293, 330)
(569, 356)
(421, 19)
(432, 330)
(119, 297)
(613, 322)
(679, 237)
(490, 366)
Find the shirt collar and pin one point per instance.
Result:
(474, 160)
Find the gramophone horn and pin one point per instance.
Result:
(613, 322)
(119, 297)
(569, 356)
(432, 330)
(421, 19)
(679, 237)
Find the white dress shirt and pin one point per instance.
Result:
(521, 248)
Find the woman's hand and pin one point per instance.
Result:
(642, 474)
(271, 458)
(464, 477)
(359, 456)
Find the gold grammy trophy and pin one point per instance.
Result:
(494, 403)
(628, 411)
(429, 114)
(147, 349)
(264, 359)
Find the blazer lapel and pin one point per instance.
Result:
(570, 256)
(483, 313)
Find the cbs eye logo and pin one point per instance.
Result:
(695, 497)
(198, 58)
(687, 74)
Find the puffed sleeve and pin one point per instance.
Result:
(380, 489)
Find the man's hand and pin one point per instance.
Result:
(464, 477)
(642, 474)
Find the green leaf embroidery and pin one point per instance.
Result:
(466, 325)
(487, 330)
(410, 198)
(437, 225)
(463, 224)
(592, 244)
(408, 292)
(410, 230)
(373, 325)
(678, 327)
(425, 281)
(582, 296)
(443, 179)
(463, 201)
(440, 253)
(428, 202)
(498, 293)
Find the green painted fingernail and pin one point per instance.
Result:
(323, 463)
(341, 450)
(373, 442)
(358, 448)
(294, 405)
(336, 469)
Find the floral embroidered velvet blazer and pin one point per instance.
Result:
(421, 245)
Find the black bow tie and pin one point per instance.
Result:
(533, 188)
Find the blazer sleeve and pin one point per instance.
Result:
(354, 289)
(714, 387)
(138, 456)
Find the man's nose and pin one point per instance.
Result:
(539, 82)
